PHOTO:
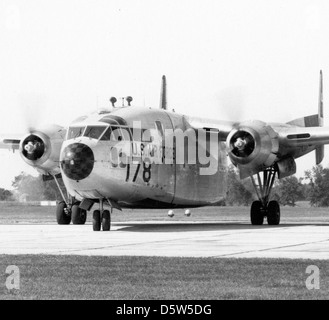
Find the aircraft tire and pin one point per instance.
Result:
(79, 215)
(273, 213)
(106, 220)
(256, 215)
(97, 220)
(61, 216)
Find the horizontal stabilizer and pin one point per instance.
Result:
(315, 120)
(9, 144)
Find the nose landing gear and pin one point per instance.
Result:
(79, 216)
(69, 210)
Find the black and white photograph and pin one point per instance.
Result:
(164, 155)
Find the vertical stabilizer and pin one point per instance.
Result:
(319, 151)
(163, 97)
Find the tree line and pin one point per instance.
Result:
(29, 188)
(313, 187)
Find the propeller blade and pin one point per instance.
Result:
(32, 106)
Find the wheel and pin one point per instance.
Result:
(273, 213)
(106, 220)
(96, 220)
(256, 214)
(79, 215)
(61, 216)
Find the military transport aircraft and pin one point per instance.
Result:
(143, 157)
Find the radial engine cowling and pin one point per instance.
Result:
(253, 146)
(41, 149)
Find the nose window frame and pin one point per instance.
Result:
(73, 134)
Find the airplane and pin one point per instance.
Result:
(129, 156)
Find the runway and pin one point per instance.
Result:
(177, 239)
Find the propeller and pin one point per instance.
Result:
(33, 109)
(231, 103)
(32, 106)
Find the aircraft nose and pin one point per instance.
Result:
(77, 161)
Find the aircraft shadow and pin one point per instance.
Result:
(186, 227)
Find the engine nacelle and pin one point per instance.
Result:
(253, 146)
(41, 149)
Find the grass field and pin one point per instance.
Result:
(78, 277)
(59, 277)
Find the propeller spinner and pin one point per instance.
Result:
(242, 144)
(33, 147)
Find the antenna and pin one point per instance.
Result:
(163, 97)
(129, 99)
(113, 100)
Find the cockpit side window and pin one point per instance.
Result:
(107, 135)
(113, 133)
(75, 132)
(159, 128)
(94, 132)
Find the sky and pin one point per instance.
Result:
(224, 59)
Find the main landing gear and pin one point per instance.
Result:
(263, 207)
(102, 218)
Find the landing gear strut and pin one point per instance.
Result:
(263, 207)
(102, 218)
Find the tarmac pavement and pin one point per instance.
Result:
(177, 239)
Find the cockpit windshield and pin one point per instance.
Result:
(94, 132)
(75, 132)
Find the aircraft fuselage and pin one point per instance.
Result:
(146, 157)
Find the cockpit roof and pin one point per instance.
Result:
(99, 119)
(114, 120)
(124, 116)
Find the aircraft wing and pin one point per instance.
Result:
(300, 137)
(222, 126)
(254, 146)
